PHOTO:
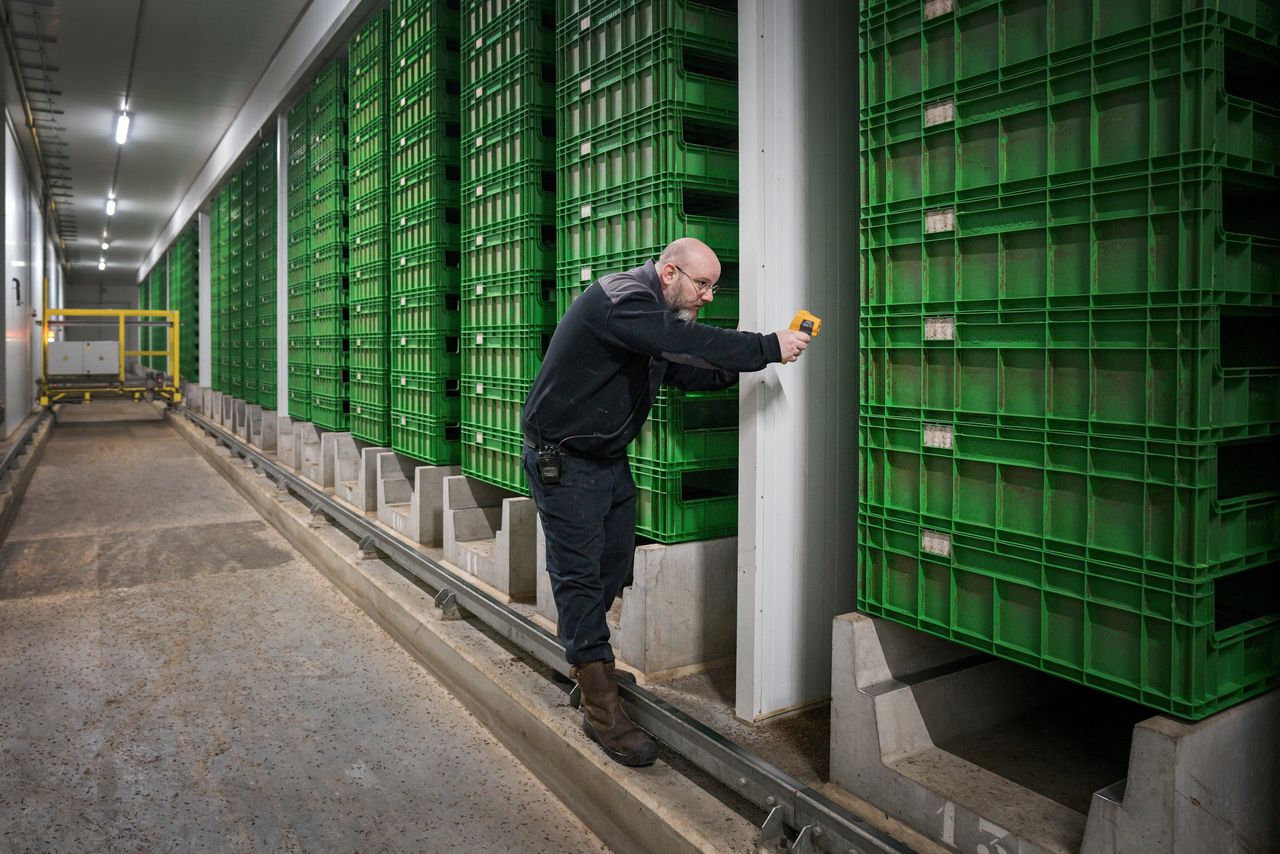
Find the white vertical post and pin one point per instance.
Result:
(204, 297)
(798, 464)
(282, 264)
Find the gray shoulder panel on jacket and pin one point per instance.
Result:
(618, 285)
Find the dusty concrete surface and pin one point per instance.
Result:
(173, 676)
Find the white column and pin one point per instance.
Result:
(204, 298)
(797, 518)
(282, 264)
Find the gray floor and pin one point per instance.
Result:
(174, 676)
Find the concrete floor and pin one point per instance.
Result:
(174, 676)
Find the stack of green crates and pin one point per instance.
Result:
(369, 281)
(218, 287)
(144, 333)
(1070, 396)
(426, 230)
(298, 213)
(327, 155)
(266, 262)
(159, 279)
(508, 225)
(647, 101)
(182, 262)
(249, 278)
(235, 287)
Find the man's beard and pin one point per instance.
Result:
(688, 315)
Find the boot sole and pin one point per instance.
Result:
(620, 758)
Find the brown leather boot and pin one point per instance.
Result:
(605, 722)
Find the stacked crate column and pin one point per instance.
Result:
(298, 200)
(267, 297)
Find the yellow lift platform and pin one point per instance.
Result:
(79, 371)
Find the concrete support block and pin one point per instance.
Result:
(545, 604)
(328, 457)
(1212, 785)
(490, 534)
(356, 480)
(679, 612)
(896, 694)
(215, 406)
(241, 427)
(191, 396)
(228, 412)
(414, 508)
(308, 435)
(262, 428)
(288, 449)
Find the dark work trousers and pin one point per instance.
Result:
(589, 520)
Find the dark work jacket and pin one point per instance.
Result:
(616, 345)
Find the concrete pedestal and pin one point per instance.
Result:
(241, 427)
(308, 436)
(356, 474)
(679, 613)
(412, 507)
(206, 402)
(1213, 785)
(288, 448)
(328, 457)
(262, 428)
(228, 412)
(897, 694)
(215, 406)
(490, 534)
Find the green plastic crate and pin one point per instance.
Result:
(658, 73)
(436, 52)
(436, 94)
(329, 229)
(425, 310)
(1187, 648)
(329, 320)
(1192, 235)
(329, 413)
(370, 423)
(436, 268)
(368, 111)
(1173, 373)
(328, 382)
(425, 353)
(493, 456)
(371, 282)
(421, 21)
(527, 137)
(418, 230)
(526, 83)
(511, 352)
(329, 261)
(687, 430)
(528, 190)
(1186, 511)
(594, 30)
(653, 145)
(436, 443)
(369, 248)
(371, 179)
(525, 245)
(494, 404)
(368, 214)
(329, 199)
(681, 506)
(369, 354)
(373, 391)
(370, 144)
(438, 136)
(370, 44)
(535, 307)
(431, 395)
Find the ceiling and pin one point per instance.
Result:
(194, 63)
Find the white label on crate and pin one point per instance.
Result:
(479, 388)
(360, 376)
(402, 181)
(479, 240)
(402, 260)
(480, 189)
(404, 220)
(479, 91)
(936, 222)
(317, 369)
(584, 211)
(479, 289)
(585, 274)
(939, 329)
(939, 436)
(402, 22)
(585, 148)
(402, 380)
(357, 342)
(403, 421)
(585, 23)
(940, 113)
(403, 339)
(479, 43)
(403, 301)
(359, 410)
(937, 8)
(585, 85)
(935, 543)
(402, 100)
(479, 337)
(402, 61)
(358, 204)
(479, 141)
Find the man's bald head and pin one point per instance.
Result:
(689, 252)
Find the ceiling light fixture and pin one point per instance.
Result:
(105, 246)
(122, 127)
(102, 263)
(111, 203)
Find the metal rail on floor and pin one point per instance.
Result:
(816, 822)
(25, 432)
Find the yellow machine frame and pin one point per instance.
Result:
(166, 387)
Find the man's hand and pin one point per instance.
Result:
(792, 344)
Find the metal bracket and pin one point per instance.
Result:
(575, 696)
(804, 842)
(282, 486)
(772, 832)
(317, 515)
(448, 605)
(368, 548)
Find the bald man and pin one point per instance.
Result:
(623, 338)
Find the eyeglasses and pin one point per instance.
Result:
(702, 287)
